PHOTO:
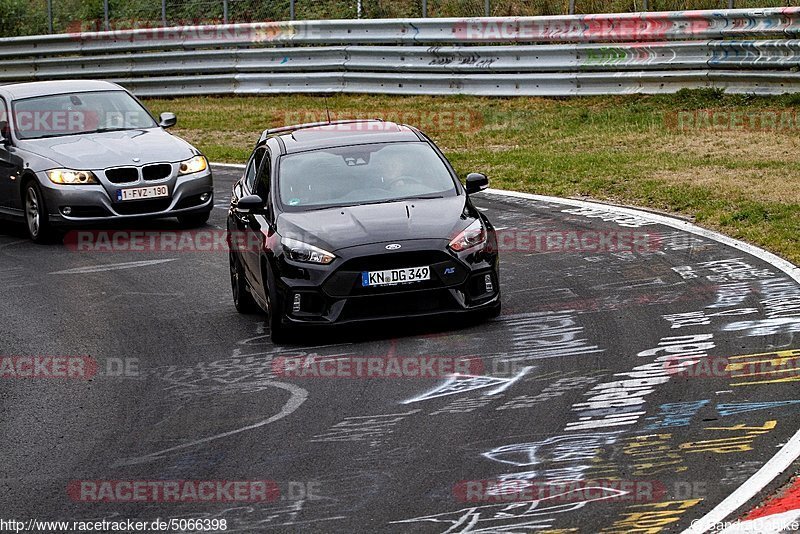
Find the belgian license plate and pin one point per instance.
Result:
(395, 276)
(142, 193)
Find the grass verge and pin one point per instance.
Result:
(729, 162)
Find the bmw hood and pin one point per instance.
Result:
(111, 149)
(338, 228)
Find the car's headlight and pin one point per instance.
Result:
(196, 164)
(72, 177)
(303, 252)
(473, 236)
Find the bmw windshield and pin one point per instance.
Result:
(363, 174)
(78, 113)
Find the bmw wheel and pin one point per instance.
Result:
(36, 219)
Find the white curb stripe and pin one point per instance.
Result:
(789, 452)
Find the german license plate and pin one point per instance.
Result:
(142, 193)
(395, 276)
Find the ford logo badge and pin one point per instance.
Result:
(393, 246)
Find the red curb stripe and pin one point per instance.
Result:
(790, 500)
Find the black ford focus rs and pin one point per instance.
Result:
(352, 221)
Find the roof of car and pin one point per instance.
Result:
(32, 89)
(344, 133)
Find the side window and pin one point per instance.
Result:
(262, 187)
(252, 168)
(3, 111)
(5, 121)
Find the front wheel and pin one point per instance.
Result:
(279, 333)
(242, 299)
(36, 218)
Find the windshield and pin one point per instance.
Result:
(363, 174)
(78, 113)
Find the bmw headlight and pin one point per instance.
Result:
(71, 177)
(191, 166)
(473, 236)
(303, 252)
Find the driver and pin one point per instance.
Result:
(397, 173)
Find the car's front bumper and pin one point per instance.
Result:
(460, 283)
(91, 204)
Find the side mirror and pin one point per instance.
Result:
(476, 182)
(167, 120)
(5, 133)
(249, 205)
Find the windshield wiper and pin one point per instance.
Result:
(402, 199)
(421, 197)
(109, 129)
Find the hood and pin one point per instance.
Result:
(111, 149)
(338, 228)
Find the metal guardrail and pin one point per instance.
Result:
(659, 52)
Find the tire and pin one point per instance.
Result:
(242, 299)
(36, 216)
(279, 333)
(494, 311)
(194, 220)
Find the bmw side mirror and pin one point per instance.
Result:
(167, 120)
(250, 204)
(5, 133)
(476, 182)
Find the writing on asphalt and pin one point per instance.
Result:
(619, 403)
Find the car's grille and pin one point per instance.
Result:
(138, 207)
(122, 175)
(412, 303)
(346, 281)
(396, 260)
(158, 171)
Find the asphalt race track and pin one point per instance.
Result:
(657, 380)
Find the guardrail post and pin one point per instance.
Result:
(164, 13)
(571, 7)
(49, 16)
(730, 4)
(291, 10)
(487, 8)
(107, 26)
(645, 5)
(224, 11)
(424, 9)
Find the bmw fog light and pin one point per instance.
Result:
(489, 286)
(204, 197)
(296, 303)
